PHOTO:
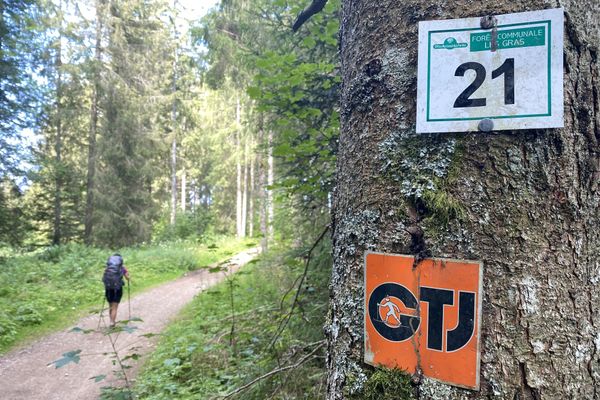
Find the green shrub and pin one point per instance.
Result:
(8, 328)
(188, 225)
(28, 314)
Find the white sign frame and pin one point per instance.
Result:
(537, 73)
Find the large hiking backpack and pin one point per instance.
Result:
(113, 274)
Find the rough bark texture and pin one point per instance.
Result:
(92, 150)
(526, 203)
(58, 183)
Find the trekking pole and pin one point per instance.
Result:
(129, 297)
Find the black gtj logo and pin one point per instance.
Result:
(386, 304)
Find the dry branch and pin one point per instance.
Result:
(276, 371)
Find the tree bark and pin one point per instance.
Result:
(174, 133)
(92, 150)
(525, 202)
(183, 191)
(173, 180)
(239, 195)
(262, 192)
(245, 190)
(251, 190)
(270, 181)
(58, 170)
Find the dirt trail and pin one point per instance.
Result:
(25, 374)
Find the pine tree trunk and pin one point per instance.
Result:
(174, 155)
(56, 234)
(270, 181)
(173, 180)
(174, 125)
(92, 150)
(262, 192)
(238, 165)
(251, 192)
(525, 203)
(245, 190)
(183, 191)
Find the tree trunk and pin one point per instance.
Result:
(270, 181)
(262, 192)
(183, 191)
(525, 203)
(245, 190)
(174, 122)
(238, 196)
(251, 191)
(92, 150)
(58, 170)
(173, 180)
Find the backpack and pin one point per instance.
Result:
(113, 274)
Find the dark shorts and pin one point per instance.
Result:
(113, 295)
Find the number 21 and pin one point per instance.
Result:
(507, 69)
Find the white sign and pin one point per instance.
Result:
(510, 76)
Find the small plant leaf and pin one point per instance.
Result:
(71, 356)
(129, 329)
(169, 362)
(134, 356)
(124, 328)
(81, 330)
(98, 378)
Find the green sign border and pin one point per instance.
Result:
(549, 113)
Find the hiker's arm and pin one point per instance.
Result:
(125, 273)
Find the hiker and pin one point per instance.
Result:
(113, 284)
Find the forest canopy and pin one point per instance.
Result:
(125, 121)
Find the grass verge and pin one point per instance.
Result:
(238, 333)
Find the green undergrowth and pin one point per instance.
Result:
(48, 289)
(214, 349)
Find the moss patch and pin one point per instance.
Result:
(386, 384)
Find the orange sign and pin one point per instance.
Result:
(425, 318)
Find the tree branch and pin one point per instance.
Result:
(284, 323)
(314, 7)
(276, 371)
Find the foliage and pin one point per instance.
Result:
(133, 141)
(297, 85)
(192, 225)
(46, 288)
(13, 225)
(199, 358)
(293, 80)
(210, 143)
(120, 88)
(18, 90)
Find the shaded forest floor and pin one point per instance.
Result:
(28, 373)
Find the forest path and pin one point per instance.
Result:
(25, 373)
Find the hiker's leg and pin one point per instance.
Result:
(114, 305)
(113, 313)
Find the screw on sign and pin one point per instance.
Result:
(425, 318)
